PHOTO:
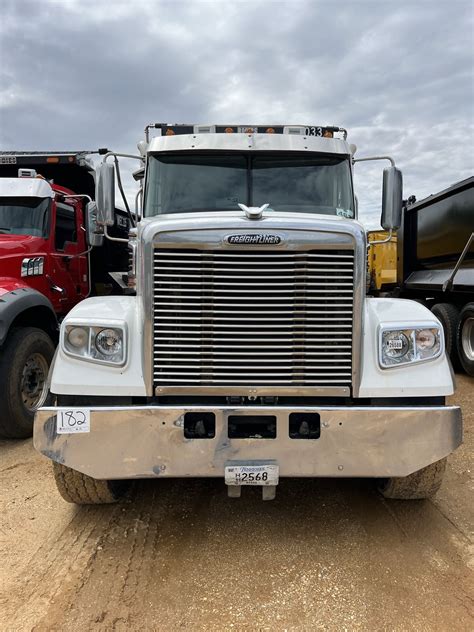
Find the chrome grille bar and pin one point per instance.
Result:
(248, 318)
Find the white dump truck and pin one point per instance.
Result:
(251, 350)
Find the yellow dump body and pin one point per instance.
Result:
(382, 260)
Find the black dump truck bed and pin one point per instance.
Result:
(69, 169)
(433, 235)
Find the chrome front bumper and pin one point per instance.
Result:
(146, 442)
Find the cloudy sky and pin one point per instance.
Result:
(79, 74)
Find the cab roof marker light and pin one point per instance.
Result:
(298, 131)
(27, 173)
(169, 129)
(204, 129)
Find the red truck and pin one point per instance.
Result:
(47, 265)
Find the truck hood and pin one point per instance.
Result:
(13, 250)
(237, 221)
(20, 244)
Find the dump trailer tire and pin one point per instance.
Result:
(422, 484)
(465, 338)
(25, 359)
(448, 314)
(81, 489)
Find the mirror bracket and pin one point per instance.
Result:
(94, 231)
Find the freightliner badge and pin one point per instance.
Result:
(256, 239)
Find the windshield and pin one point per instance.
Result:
(24, 216)
(183, 183)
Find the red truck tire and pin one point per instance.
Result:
(25, 359)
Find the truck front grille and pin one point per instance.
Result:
(253, 318)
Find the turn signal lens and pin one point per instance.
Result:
(425, 339)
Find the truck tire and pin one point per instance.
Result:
(465, 338)
(81, 489)
(448, 314)
(25, 359)
(422, 484)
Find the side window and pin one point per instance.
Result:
(65, 225)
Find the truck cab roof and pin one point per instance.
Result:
(249, 142)
(26, 187)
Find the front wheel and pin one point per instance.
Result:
(465, 338)
(422, 484)
(81, 489)
(24, 364)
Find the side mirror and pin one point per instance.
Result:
(392, 192)
(94, 231)
(105, 194)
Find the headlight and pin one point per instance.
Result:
(101, 344)
(401, 345)
(78, 337)
(109, 342)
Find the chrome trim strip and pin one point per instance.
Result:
(258, 391)
(32, 266)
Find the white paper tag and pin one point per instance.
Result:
(341, 212)
(73, 420)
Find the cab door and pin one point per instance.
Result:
(69, 273)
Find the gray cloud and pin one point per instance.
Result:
(79, 74)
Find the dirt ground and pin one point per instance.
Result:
(325, 555)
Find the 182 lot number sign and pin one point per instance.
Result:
(73, 420)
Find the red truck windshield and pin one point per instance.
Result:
(24, 216)
(180, 183)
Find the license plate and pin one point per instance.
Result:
(265, 474)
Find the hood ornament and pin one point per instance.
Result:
(254, 212)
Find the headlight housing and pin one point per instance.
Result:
(405, 345)
(105, 344)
